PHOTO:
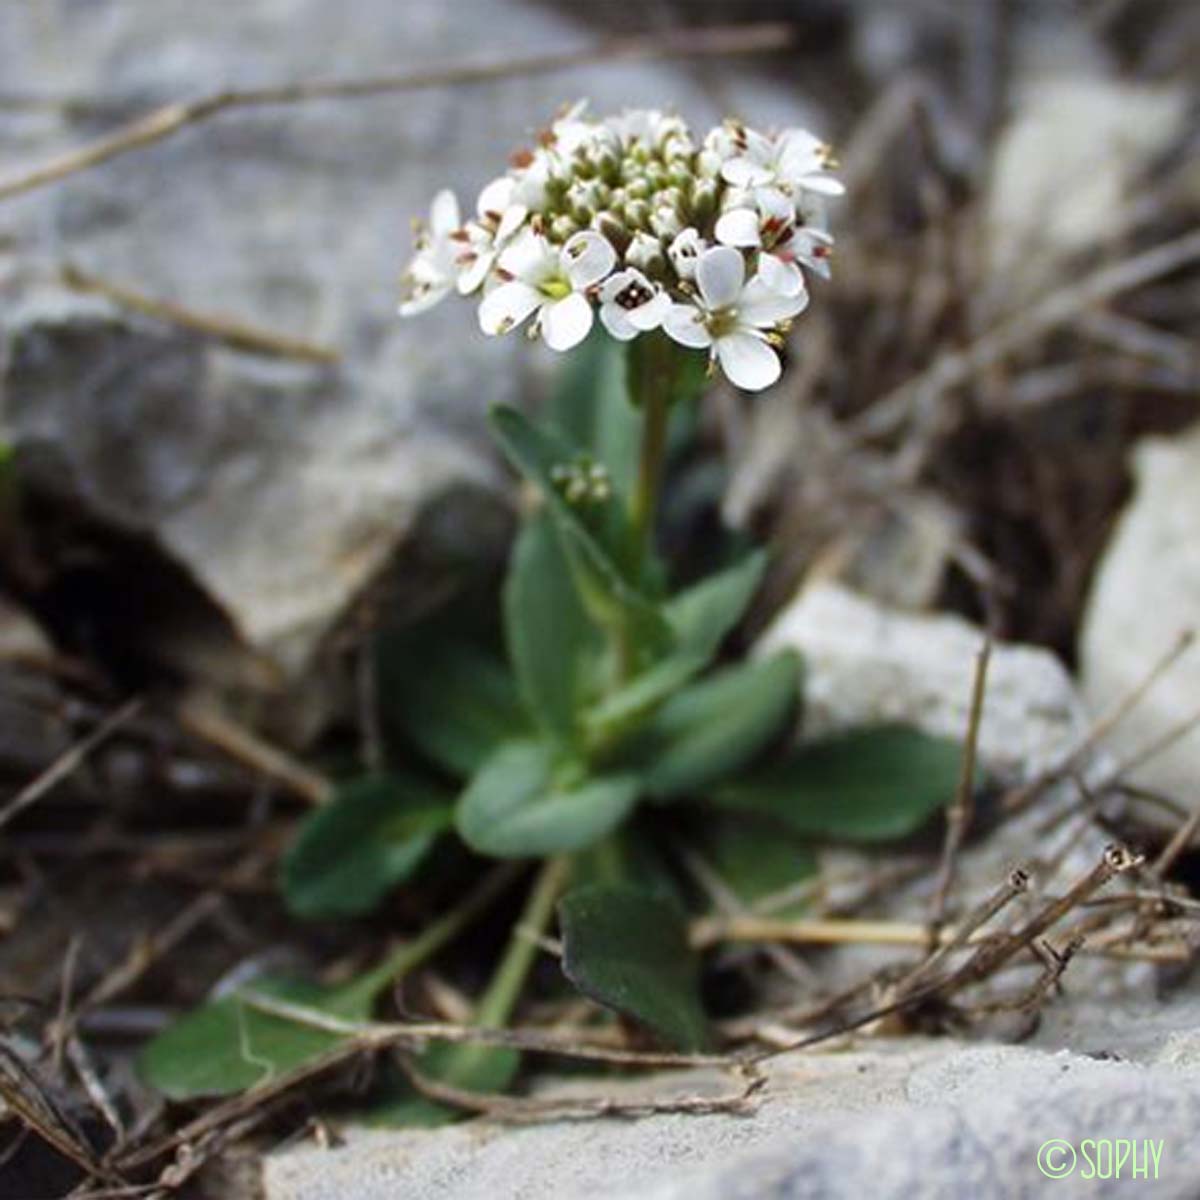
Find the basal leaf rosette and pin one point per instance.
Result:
(630, 216)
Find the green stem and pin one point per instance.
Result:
(431, 939)
(504, 990)
(651, 386)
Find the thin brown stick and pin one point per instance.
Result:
(1104, 725)
(163, 122)
(962, 807)
(954, 368)
(513, 1109)
(1180, 840)
(1116, 860)
(991, 956)
(142, 955)
(1159, 745)
(69, 761)
(1015, 885)
(228, 330)
(202, 720)
(379, 1034)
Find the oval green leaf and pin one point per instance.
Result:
(352, 852)
(227, 1045)
(520, 805)
(871, 785)
(550, 640)
(717, 726)
(628, 949)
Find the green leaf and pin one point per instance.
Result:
(627, 856)
(550, 640)
(227, 1046)
(525, 802)
(352, 852)
(591, 406)
(870, 785)
(699, 618)
(754, 858)
(457, 724)
(628, 949)
(715, 727)
(609, 598)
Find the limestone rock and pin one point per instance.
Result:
(866, 663)
(893, 1120)
(1146, 594)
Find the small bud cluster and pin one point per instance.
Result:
(583, 482)
(629, 215)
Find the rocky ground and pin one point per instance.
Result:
(216, 495)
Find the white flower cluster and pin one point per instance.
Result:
(706, 241)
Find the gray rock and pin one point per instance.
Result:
(866, 663)
(281, 487)
(1146, 594)
(897, 1119)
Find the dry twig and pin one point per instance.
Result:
(162, 123)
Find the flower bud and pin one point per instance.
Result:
(665, 222)
(646, 253)
(637, 214)
(704, 200)
(607, 225)
(562, 227)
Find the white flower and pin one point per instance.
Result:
(538, 277)
(685, 251)
(573, 133)
(630, 304)
(772, 229)
(736, 321)
(482, 240)
(794, 160)
(814, 248)
(719, 146)
(434, 268)
(654, 129)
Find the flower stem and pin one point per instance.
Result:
(651, 383)
(504, 990)
(650, 386)
(431, 939)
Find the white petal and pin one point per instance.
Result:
(742, 172)
(748, 361)
(507, 306)
(443, 213)
(529, 257)
(587, 257)
(799, 152)
(773, 204)
(826, 185)
(565, 323)
(651, 314)
(423, 299)
(475, 272)
(615, 284)
(762, 306)
(616, 321)
(684, 251)
(497, 196)
(513, 219)
(739, 227)
(685, 323)
(719, 275)
(783, 278)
